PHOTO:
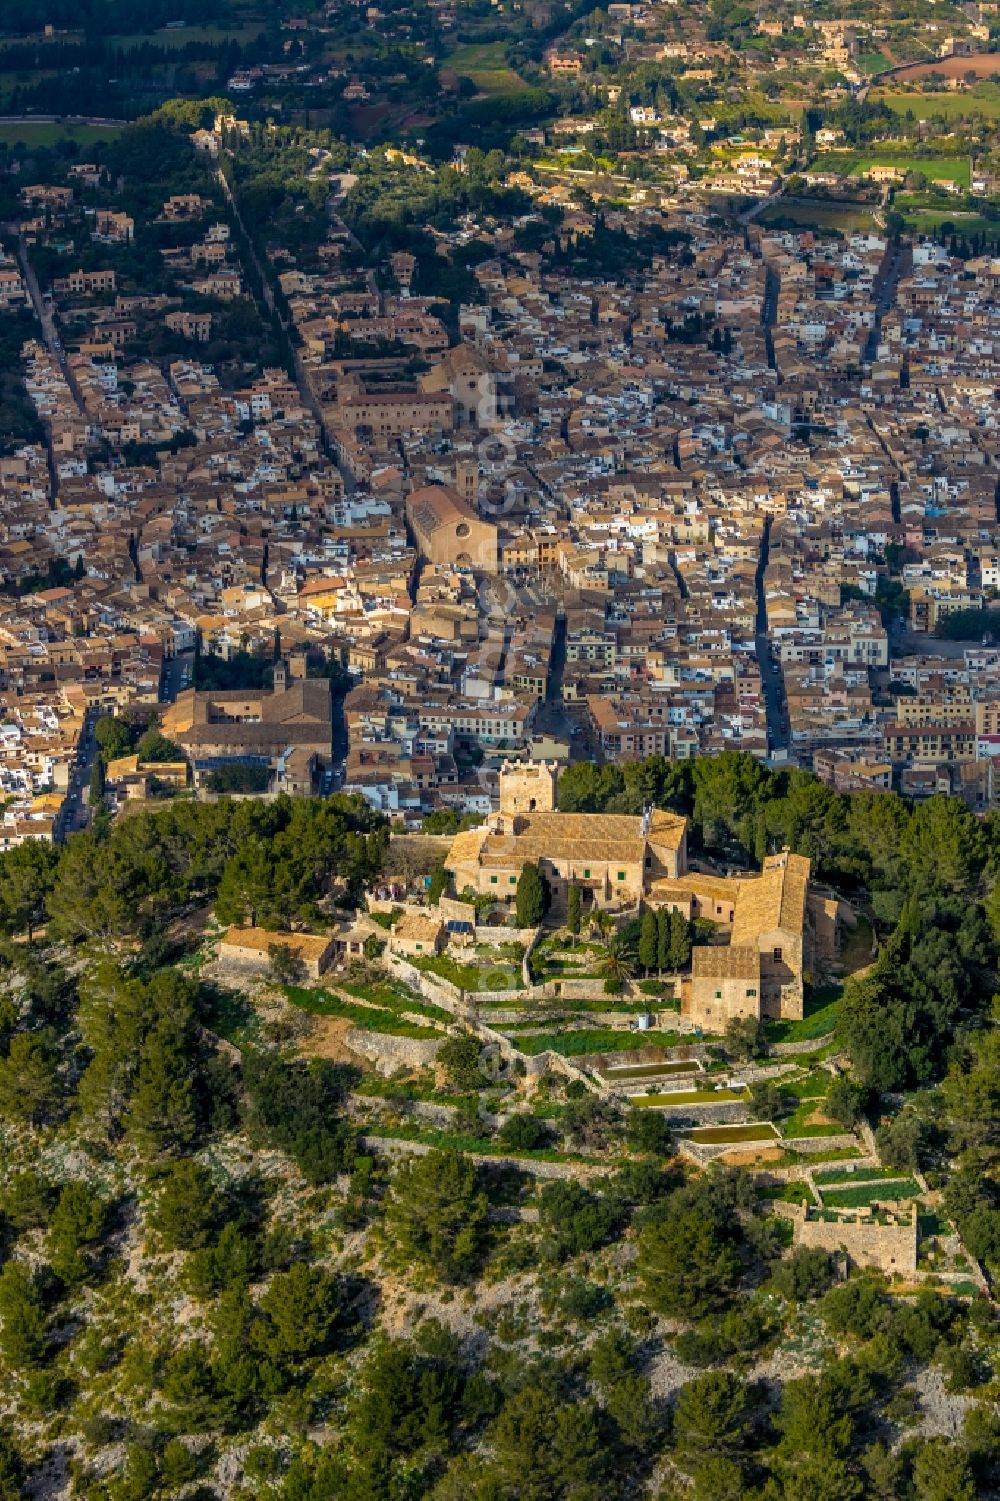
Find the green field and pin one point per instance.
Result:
(873, 62)
(42, 133)
(864, 1194)
(650, 1070)
(848, 218)
(844, 1175)
(929, 221)
(180, 36)
(685, 1097)
(983, 99)
(854, 163)
(486, 65)
(718, 1135)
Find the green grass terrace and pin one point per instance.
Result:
(753, 1131)
(45, 133)
(374, 1008)
(861, 1195)
(485, 968)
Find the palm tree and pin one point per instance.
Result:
(619, 963)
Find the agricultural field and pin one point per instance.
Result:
(622, 1073)
(861, 1195)
(983, 64)
(48, 133)
(486, 64)
(856, 163)
(937, 221)
(823, 214)
(983, 99)
(685, 1097)
(174, 38)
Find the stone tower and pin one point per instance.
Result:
(528, 787)
(467, 480)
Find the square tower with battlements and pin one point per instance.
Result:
(529, 787)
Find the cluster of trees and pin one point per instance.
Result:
(113, 1058)
(282, 200)
(266, 864)
(869, 843)
(239, 776)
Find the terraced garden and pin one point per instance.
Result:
(717, 1135)
(483, 968)
(623, 1073)
(376, 1008)
(861, 1195)
(685, 1097)
(586, 1040)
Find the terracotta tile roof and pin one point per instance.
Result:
(418, 928)
(306, 945)
(552, 836)
(734, 961)
(776, 899)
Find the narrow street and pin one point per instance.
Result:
(176, 675)
(769, 313)
(304, 388)
(885, 296)
(75, 811)
(770, 674)
(43, 312)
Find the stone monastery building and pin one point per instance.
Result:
(771, 928)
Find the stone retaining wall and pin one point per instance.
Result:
(726, 1113)
(397, 1147)
(389, 1053)
(890, 1248)
(788, 1049)
(812, 1144)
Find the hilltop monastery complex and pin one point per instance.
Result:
(771, 929)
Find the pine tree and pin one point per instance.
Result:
(648, 941)
(574, 910)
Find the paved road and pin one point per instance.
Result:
(885, 296)
(305, 389)
(772, 681)
(176, 675)
(76, 812)
(43, 312)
